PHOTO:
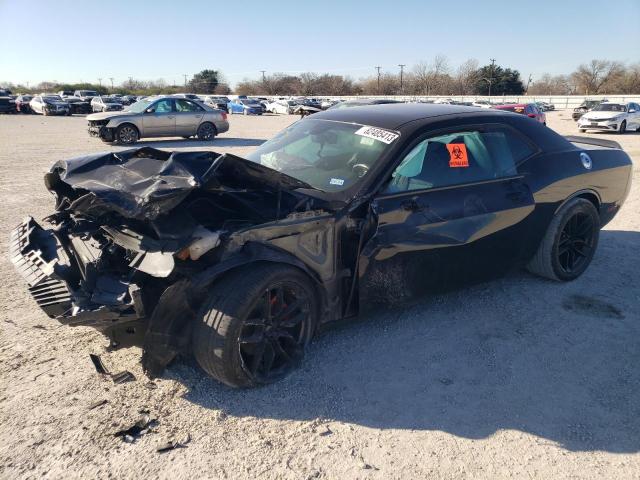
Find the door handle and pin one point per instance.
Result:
(198, 116)
(412, 205)
(170, 116)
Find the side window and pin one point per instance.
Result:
(459, 158)
(163, 106)
(186, 106)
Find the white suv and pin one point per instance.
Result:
(610, 116)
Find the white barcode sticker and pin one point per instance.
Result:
(379, 134)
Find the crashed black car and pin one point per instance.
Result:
(240, 261)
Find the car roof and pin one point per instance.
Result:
(393, 115)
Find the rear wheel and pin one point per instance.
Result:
(256, 325)
(126, 134)
(570, 242)
(206, 131)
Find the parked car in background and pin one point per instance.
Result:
(159, 117)
(482, 104)
(128, 99)
(49, 105)
(363, 102)
(585, 107)
(86, 95)
(246, 106)
(105, 104)
(65, 93)
(328, 103)
(545, 107)
(611, 116)
(283, 107)
(7, 102)
(191, 96)
(531, 110)
(77, 105)
(219, 102)
(22, 103)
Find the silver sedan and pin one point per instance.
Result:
(159, 117)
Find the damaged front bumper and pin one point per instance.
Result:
(55, 275)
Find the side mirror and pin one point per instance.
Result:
(149, 110)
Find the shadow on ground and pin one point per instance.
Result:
(559, 361)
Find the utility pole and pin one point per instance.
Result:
(493, 62)
(528, 83)
(378, 68)
(111, 78)
(263, 78)
(100, 81)
(401, 65)
(185, 79)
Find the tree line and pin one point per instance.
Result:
(427, 78)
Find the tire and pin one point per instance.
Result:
(206, 131)
(126, 134)
(233, 342)
(582, 130)
(623, 127)
(186, 137)
(569, 243)
(244, 111)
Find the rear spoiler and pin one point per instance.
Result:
(593, 141)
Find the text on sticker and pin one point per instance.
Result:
(336, 181)
(457, 155)
(379, 134)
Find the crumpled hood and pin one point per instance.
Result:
(143, 183)
(107, 115)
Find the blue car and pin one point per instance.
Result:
(246, 106)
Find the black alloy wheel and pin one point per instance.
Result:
(272, 338)
(576, 243)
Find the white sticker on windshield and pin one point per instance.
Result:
(336, 181)
(379, 134)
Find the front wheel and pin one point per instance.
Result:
(255, 326)
(623, 127)
(582, 130)
(569, 243)
(126, 134)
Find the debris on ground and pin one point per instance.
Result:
(173, 444)
(141, 427)
(97, 362)
(123, 377)
(99, 403)
(120, 377)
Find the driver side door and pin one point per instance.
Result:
(159, 120)
(454, 212)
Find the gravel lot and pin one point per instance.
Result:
(518, 378)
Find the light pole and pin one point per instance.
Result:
(493, 62)
(378, 68)
(111, 78)
(401, 65)
(489, 81)
(263, 77)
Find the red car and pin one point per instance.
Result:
(531, 110)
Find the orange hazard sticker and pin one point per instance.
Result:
(457, 155)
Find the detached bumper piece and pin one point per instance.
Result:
(50, 293)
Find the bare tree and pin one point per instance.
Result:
(465, 77)
(596, 76)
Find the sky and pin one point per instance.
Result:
(73, 41)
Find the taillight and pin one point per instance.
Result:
(224, 115)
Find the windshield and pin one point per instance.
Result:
(88, 93)
(139, 106)
(52, 98)
(610, 107)
(330, 156)
(110, 100)
(249, 102)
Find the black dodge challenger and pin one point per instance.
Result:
(241, 260)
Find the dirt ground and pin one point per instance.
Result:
(518, 378)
